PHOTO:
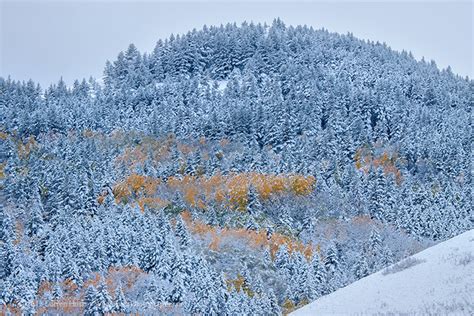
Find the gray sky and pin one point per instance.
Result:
(44, 40)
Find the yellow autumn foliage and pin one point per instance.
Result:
(288, 306)
(232, 190)
(24, 148)
(364, 160)
(150, 149)
(3, 135)
(151, 202)
(240, 284)
(141, 188)
(2, 170)
(254, 239)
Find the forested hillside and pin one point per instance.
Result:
(233, 170)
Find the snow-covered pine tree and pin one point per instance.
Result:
(103, 299)
(254, 206)
(91, 306)
(182, 233)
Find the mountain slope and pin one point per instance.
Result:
(438, 280)
(234, 170)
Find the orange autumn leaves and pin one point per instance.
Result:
(198, 191)
(364, 160)
(26, 147)
(149, 149)
(140, 188)
(255, 239)
(73, 296)
(228, 191)
(231, 190)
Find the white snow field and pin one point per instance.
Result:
(436, 281)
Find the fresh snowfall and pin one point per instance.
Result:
(235, 170)
(436, 281)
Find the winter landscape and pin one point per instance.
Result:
(436, 281)
(240, 169)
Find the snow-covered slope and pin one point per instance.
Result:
(436, 281)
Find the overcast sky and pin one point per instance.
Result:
(45, 40)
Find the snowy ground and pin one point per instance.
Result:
(436, 281)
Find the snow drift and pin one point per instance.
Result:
(438, 280)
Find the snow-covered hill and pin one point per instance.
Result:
(436, 281)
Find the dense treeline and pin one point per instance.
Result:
(358, 152)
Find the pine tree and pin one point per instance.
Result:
(7, 233)
(301, 281)
(35, 221)
(71, 272)
(361, 268)
(103, 299)
(378, 195)
(23, 283)
(91, 306)
(182, 233)
(331, 261)
(320, 277)
(386, 258)
(90, 203)
(178, 290)
(120, 303)
(375, 242)
(193, 164)
(310, 284)
(373, 250)
(274, 307)
(155, 291)
(253, 203)
(282, 258)
(57, 291)
(7, 255)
